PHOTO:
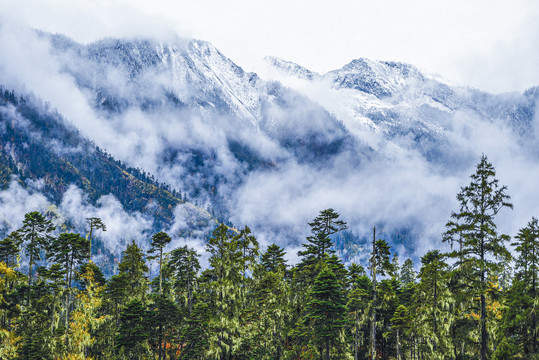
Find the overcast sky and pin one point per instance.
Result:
(489, 44)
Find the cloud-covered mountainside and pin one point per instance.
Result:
(380, 142)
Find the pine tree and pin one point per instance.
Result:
(36, 235)
(225, 293)
(94, 223)
(68, 250)
(159, 241)
(408, 274)
(273, 259)
(184, 263)
(482, 247)
(326, 311)
(135, 271)
(400, 321)
(319, 244)
(10, 249)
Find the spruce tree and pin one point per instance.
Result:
(432, 302)
(326, 310)
(408, 274)
(36, 235)
(482, 248)
(68, 250)
(135, 271)
(520, 319)
(10, 248)
(184, 264)
(94, 223)
(273, 259)
(134, 331)
(159, 241)
(379, 265)
(358, 304)
(399, 322)
(226, 268)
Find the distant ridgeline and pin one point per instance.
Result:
(36, 143)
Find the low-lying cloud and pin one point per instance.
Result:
(392, 183)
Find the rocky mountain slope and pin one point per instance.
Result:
(366, 139)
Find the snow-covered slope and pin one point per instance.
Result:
(381, 142)
(400, 103)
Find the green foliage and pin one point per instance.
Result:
(326, 310)
(273, 259)
(94, 223)
(184, 264)
(481, 250)
(246, 306)
(10, 248)
(159, 241)
(133, 270)
(408, 274)
(36, 235)
(134, 331)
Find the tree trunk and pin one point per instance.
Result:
(160, 341)
(160, 275)
(398, 345)
(483, 350)
(356, 338)
(90, 245)
(434, 310)
(373, 330)
(534, 317)
(327, 350)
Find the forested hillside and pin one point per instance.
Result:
(474, 301)
(36, 143)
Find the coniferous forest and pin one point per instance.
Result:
(474, 300)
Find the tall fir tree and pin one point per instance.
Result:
(185, 266)
(94, 223)
(10, 249)
(273, 259)
(68, 250)
(326, 310)
(482, 248)
(36, 233)
(159, 241)
(225, 294)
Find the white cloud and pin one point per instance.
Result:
(402, 189)
(492, 45)
(15, 202)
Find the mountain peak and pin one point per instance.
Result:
(291, 68)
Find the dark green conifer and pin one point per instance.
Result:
(482, 248)
(159, 241)
(36, 235)
(273, 259)
(326, 311)
(94, 223)
(10, 249)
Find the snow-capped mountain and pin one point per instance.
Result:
(412, 110)
(365, 139)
